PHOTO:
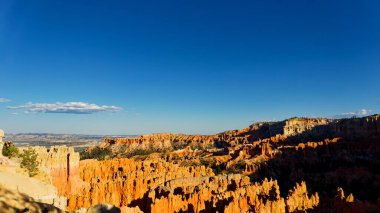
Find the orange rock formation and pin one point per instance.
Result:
(321, 153)
(62, 163)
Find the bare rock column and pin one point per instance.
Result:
(1, 142)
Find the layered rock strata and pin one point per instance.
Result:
(320, 153)
(123, 181)
(62, 164)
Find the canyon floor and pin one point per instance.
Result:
(295, 165)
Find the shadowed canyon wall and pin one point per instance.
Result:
(305, 160)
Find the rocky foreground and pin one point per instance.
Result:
(300, 164)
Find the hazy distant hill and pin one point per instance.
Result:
(49, 139)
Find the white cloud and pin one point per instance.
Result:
(4, 100)
(359, 113)
(68, 107)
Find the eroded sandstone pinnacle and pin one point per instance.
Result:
(299, 164)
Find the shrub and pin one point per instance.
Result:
(189, 163)
(9, 150)
(217, 170)
(237, 168)
(95, 153)
(29, 161)
(138, 152)
(211, 163)
(178, 146)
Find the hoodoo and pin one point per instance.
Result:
(1, 141)
(1, 135)
(267, 167)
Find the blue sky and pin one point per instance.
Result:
(137, 67)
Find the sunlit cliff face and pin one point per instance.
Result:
(1, 135)
(289, 166)
(175, 173)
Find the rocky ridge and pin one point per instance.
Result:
(61, 163)
(268, 149)
(299, 164)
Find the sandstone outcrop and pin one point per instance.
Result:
(34, 188)
(158, 186)
(357, 128)
(159, 142)
(291, 130)
(1, 137)
(231, 193)
(40, 188)
(122, 181)
(62, 164)
(321, 152)
(299, 200)
(296, 126)
(103, 208)
(11, 201)
(305, 160)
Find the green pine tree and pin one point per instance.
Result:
(29, 161)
